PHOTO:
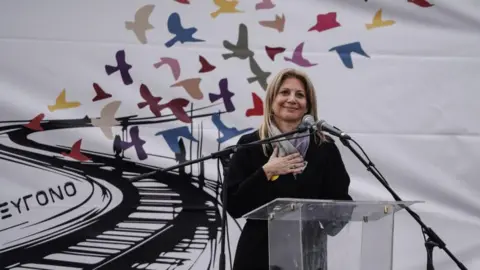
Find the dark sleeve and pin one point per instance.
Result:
(338, 189)
(247, 186)
(337, 176)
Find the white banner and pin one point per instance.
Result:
(94, 93)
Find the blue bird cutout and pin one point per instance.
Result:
(345, 52)
(227, 132)
(225, 94)
(171, 136)
(182, 34)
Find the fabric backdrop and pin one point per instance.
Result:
(90, 99)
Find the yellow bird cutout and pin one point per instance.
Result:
(378, 22)
(61, 103)
(225, 7)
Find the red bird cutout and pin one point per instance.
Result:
(325, 22)
(75, 152)
(257, 106)
(149, 100)
(273, 51)
(34, 124)
(100, 94)
(206, 66)
(420, 3)
(175, 105)
(186, 2)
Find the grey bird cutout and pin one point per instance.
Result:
(260, 75)
(141, 23)
(240, 50)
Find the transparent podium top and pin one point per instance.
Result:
(311, 209)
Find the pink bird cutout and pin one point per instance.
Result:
(172, 63)
(298, 58)
(265, 4)
(325, 22)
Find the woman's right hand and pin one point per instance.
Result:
(293, 163)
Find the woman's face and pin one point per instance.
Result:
(290, 104)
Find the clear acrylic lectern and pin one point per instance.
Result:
(329, 235)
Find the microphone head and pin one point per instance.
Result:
(308, 120)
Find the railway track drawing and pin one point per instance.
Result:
(169, 221)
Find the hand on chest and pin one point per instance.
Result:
(307, 184)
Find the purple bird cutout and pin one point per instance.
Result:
(121, 66)
(136, 141)
(225, 94)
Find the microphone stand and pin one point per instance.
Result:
(433, 239)
(220, 154)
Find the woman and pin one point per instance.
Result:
(307, 167)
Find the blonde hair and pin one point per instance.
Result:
(272, 91)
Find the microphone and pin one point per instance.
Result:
(307, 121)
(323, 125)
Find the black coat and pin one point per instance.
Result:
(325, 177)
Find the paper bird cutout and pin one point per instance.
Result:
(141, 24)
(225, 7)
(180, 33)
(225, 94)
(136, 142)
(34, 124)
(298, 58)
(122, 66)
(240, 50)
(61, 103)
(100, 94)
(325, 22)
(107, 120)
(345, 52)
(257, 109)
(277, 24)
(273, 51)
(172, 63)
(192, 86)
(75, 152)
(421, 3)
(171, 136)
(260, 76)
(175, 105)
(227, 133)
(265, 4)
(378, 22)
(206, 66)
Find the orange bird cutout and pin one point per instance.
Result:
(378, 22)
(61, 103)
(278, 23)
(192, 86)
(34, 124)
(75, 152)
